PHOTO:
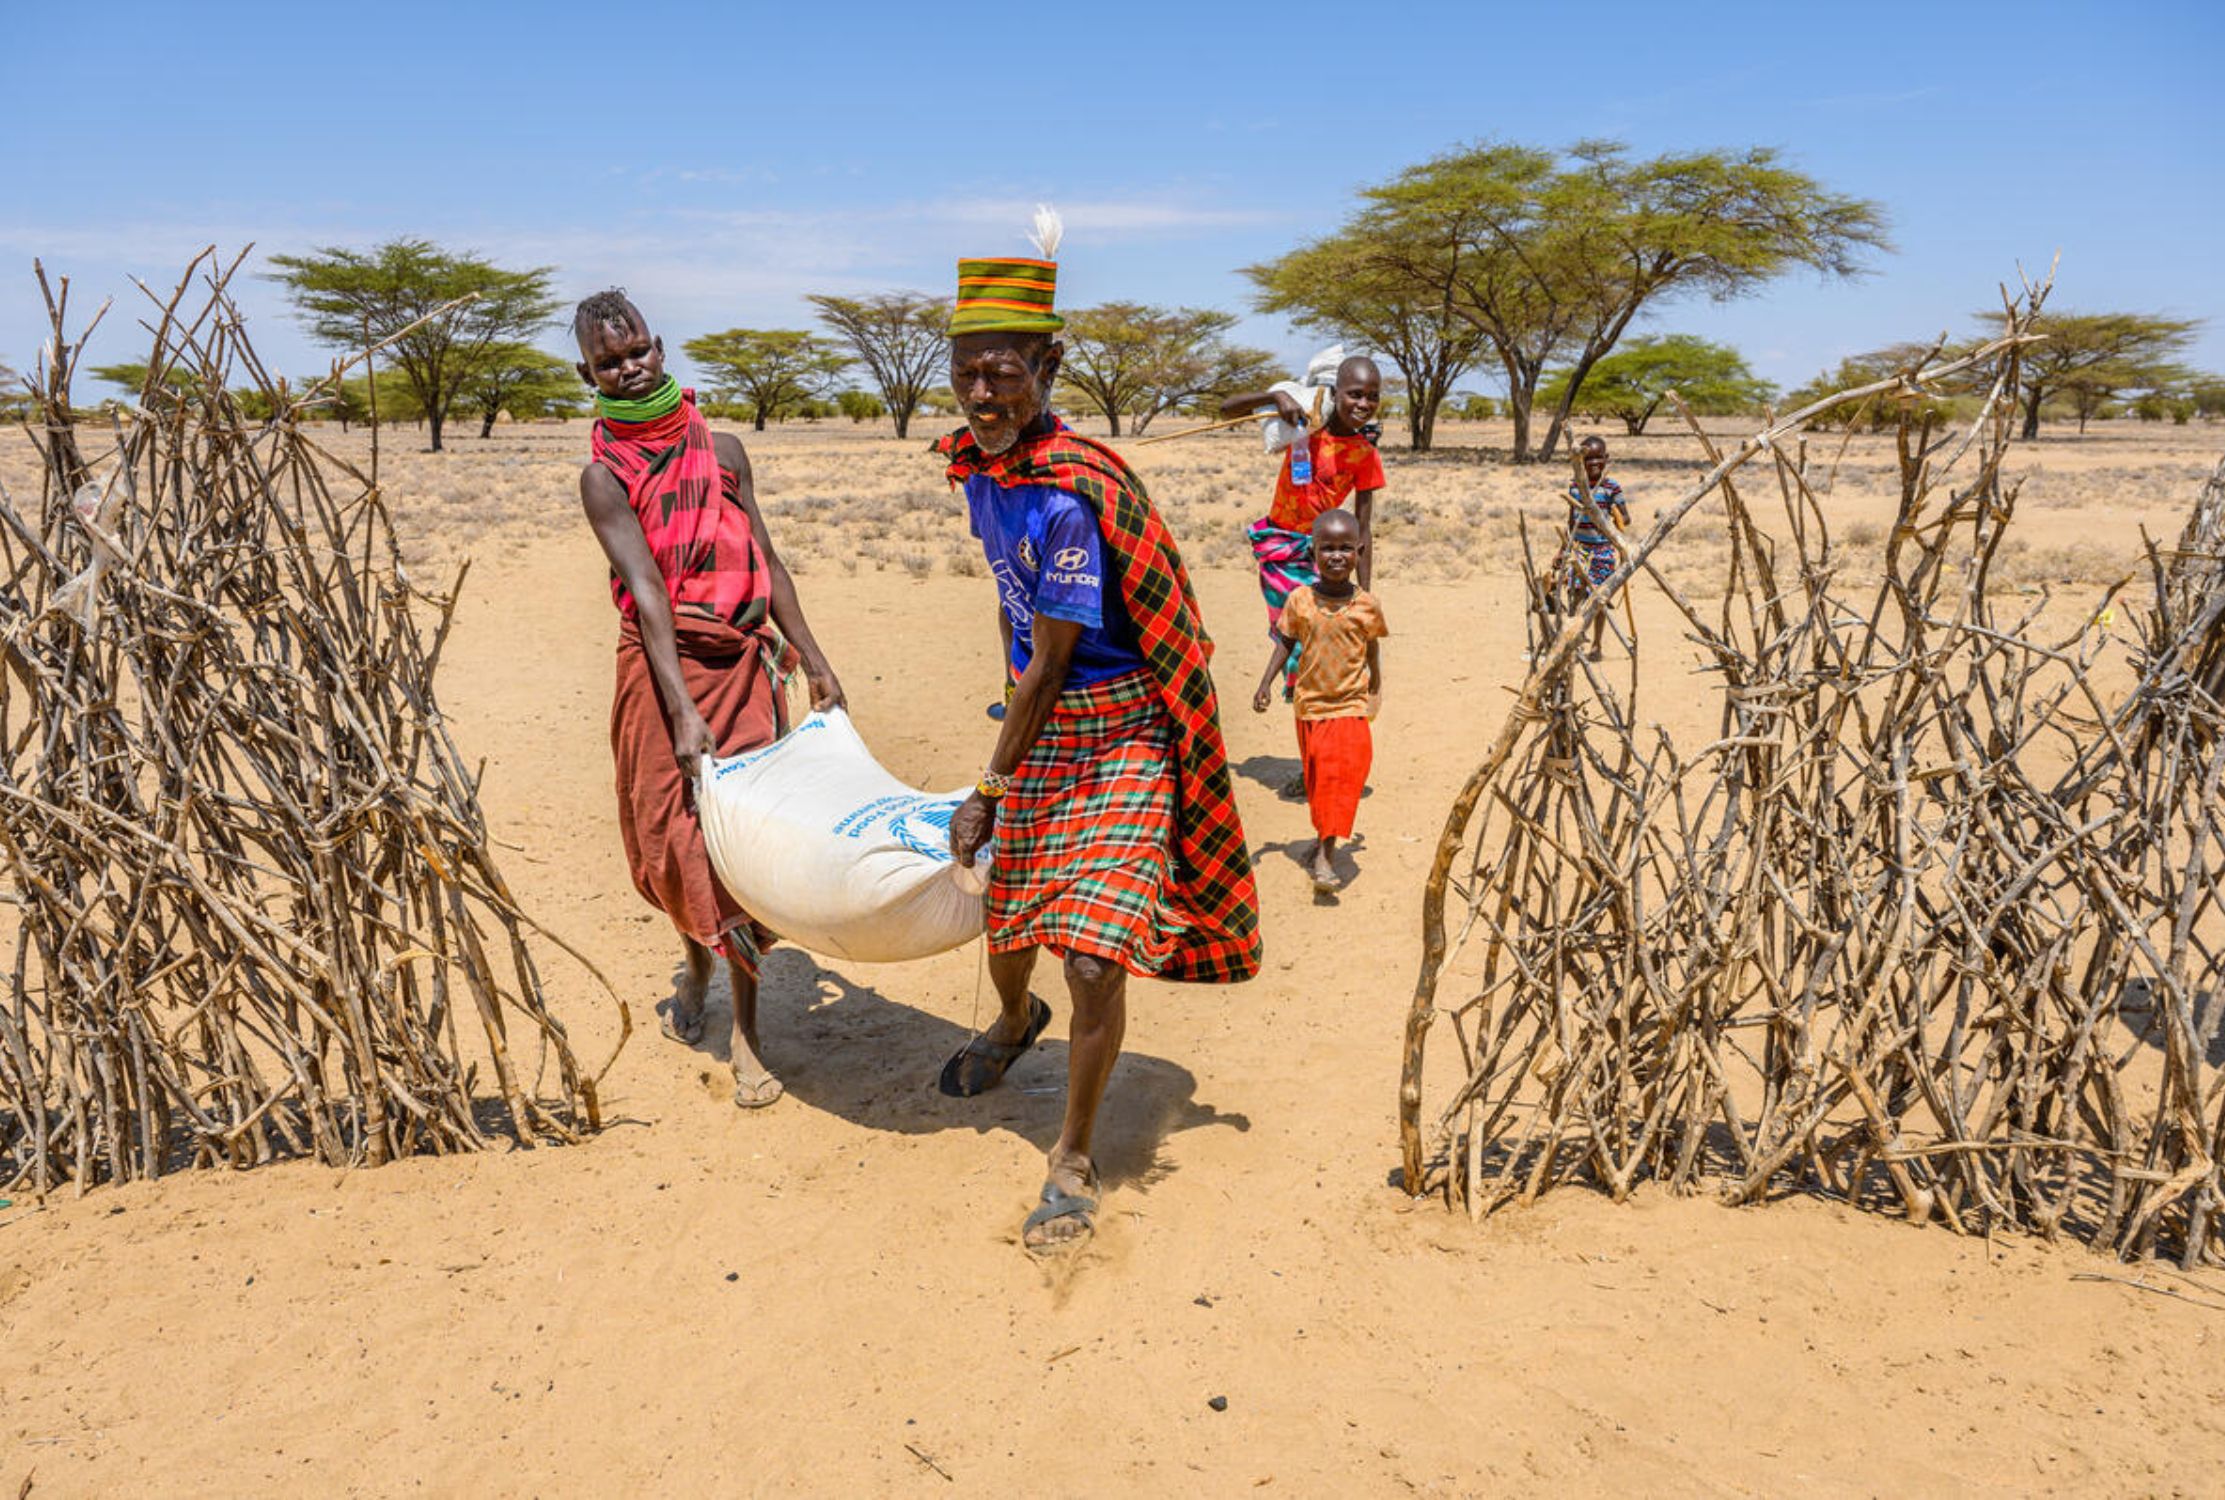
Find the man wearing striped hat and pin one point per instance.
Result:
(1117, 845)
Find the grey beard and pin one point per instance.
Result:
(1004, 447)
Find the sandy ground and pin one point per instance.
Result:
(828, 1296)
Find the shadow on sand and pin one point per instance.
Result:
(1273, 772)
(846, 1048)
(1282, 775)
(1300, 853)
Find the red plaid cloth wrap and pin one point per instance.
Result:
(690, 511)
(1216, 919)
(1085, 835)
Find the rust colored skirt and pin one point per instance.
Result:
(726, 676)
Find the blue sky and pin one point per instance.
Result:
(722, 164)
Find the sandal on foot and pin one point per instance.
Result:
(757, 1093)
(687, 1036)
(980, 1065)
(1059, 1204)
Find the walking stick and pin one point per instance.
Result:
(1250, 416)
(1168, 437)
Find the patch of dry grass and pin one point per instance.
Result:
(839, 496)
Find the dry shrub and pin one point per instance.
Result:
(1932, 920)
(260, 915)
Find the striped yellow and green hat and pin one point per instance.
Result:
(1006, 296)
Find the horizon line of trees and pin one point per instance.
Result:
(1527, 263)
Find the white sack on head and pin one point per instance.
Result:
(1276, 434)
(1320, 376)
(815, 840)
(1321, 370)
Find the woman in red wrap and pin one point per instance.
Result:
(708, 617)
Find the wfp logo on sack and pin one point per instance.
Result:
(924, 828)
(1067, 567)
(914, 821)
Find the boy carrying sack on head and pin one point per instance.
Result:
(1333, 625)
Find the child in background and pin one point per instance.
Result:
(1592, 554)
(1330, 463)
(1333, 625)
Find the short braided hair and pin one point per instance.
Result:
(608, 306)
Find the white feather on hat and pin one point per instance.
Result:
(1049, 229)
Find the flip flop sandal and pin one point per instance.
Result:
(980, 1065)
(1059, 1204)
(759, 1093)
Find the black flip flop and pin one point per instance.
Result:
(998, 1056)
(1059, 1204)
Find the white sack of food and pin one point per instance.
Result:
(813, 838)
(1321, 375)
(1275, 434)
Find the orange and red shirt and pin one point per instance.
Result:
(1341, 465)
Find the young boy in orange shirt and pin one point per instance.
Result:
(1333, 625)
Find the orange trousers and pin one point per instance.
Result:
(1336, 755)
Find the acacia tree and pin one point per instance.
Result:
(1631, 383)
(349, 298)
(1109, 351)
(768, 369)
(861, 406)
(1551, 255)
(1201, 380)
(1337, 286)
(523, 381)
(1130, 359)
(901, 338)
(2091, 358)
(15, 396)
